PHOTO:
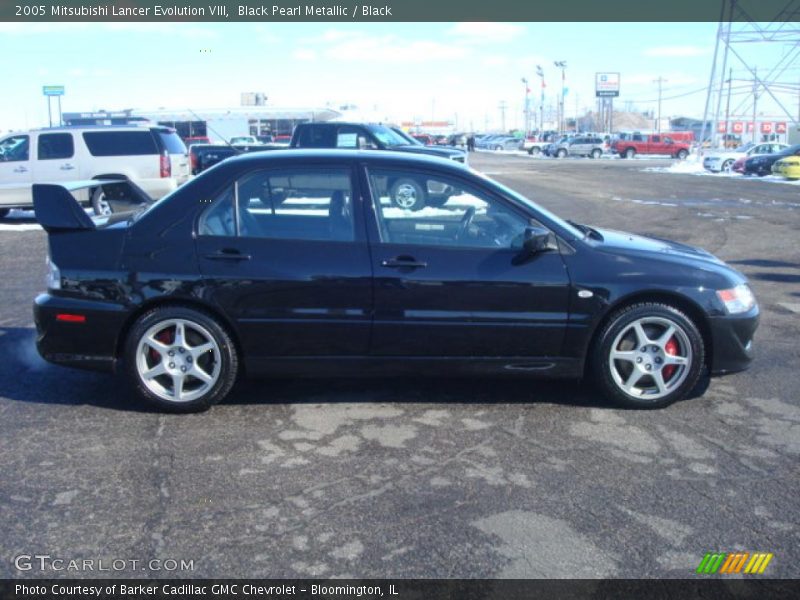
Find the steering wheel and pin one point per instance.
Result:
(465, 222)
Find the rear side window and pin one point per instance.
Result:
(55, 145)
(120, 143)
(317, 137)
(172, 142)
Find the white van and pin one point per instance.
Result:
(154, 158)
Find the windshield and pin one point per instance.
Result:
(387, 137)
(410, 140)
(790, 150)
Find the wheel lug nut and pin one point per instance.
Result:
(644, 348)
(183, 369)
(638, 359)
(648, 366)
(171, 365)
(658, 360)
(181, 350)
(188, 359)
(655, 348)
(171, 353)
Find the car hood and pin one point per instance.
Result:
(789, 160)
(441, 151)
(629, 243)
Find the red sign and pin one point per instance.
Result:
(750, 127)
(722, 127)
(766, 127)
(780, 127)
(738, 127)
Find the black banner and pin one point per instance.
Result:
(398, 589)
(397, 10)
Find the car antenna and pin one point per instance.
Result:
(215, 132)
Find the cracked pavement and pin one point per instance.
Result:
(434, 478)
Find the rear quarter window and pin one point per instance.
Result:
(172, 142)
(120, 143)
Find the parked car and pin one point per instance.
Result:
(762, 165)
(651, 144)
(723, 160)
(788, 167)
(196, 139)
(533, 145)
(297, 262)
(738, 166)
(155, 158)
(423, 138)
(506, 142)
(552, 147)
(581, 145)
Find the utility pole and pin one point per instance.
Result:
(527, 107)
(502, 108)
(728, 109)
(561, 64)
(755, 100)
(659, 81)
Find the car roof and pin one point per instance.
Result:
(126, 127)
(327, 154)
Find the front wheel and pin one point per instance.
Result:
(534, 151)
(498, 148)
(682, 154)
(4, 212)
(561, 153)
(630, 153)
(180, 359)
(727, 166)
(596, 153)
(648, 355)
(100, 203)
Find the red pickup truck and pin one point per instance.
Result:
(651, 144)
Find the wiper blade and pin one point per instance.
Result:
(590, 231)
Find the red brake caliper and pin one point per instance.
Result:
(165, 337)
(671, 348)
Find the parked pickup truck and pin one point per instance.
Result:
(330, 134)
(650, 144)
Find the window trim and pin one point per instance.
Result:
(59, 133)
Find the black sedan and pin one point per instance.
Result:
(298, 262)
(761, 165)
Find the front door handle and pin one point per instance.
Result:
(20, 170)
(228, 254)
(67, 167)
(403, 262)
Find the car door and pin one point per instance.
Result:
(284, 255)
(55, 158)
(448, 280)
(15, 171)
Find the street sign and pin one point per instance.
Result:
(53, 90)
(738, 127)
(766, 127)
(606, 85)
(780, 127)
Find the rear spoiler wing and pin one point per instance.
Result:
(57, 209)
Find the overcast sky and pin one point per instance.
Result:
(400, 70)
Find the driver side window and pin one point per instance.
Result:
(15, 149)
(430, 210)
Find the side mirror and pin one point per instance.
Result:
(537, 240)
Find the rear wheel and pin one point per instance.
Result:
(180, 359)
(682, 154)
(4, 212)
(498, 148)
(596, 153)
(100, 203)
(630, 153)
(648, 356)
(534, 150)
(561, 153)
(407, 194)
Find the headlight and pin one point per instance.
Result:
(53, 279)
(738, 299)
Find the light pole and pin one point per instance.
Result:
(659, 81)
(527, 107)
(561, 64)
(540, 73)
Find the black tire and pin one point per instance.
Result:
(4, 212)
(600, 364)
(498, 148)
(561, 153)
(596, 153)
(229, 359)
(407, 194)
(682, 154)
(437, 201)
(99, 204)
(726, 166)
(534, 151)
(629, 153)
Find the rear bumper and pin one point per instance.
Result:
(91, 344)
(732, 341)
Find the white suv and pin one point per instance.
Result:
(154, 158)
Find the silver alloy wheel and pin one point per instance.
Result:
(101, 206)
(640, 357)
(405, 195)
(178, 360)
(727, 166)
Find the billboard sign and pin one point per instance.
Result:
(606, 85)
(53, 90)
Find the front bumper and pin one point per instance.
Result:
(788, 171)
(91, 344)
(732, 341)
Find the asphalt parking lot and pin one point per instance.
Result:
(427, 478)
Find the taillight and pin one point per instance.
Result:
(193, 161)
(165, 165)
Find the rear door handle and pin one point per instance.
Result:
(67, 167)
(403, 262)
(228, 254)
